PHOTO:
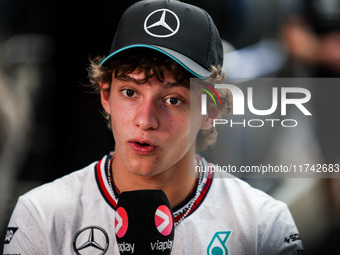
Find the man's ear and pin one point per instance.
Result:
(213, 113)
(105, 97)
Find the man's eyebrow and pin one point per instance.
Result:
(168, 85)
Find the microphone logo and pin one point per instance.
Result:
(163, 220)
(217, 245)
(121, 222)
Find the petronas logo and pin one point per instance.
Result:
(217, 245)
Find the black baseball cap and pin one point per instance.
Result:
(183, 32)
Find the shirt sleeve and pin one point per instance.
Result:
(278, 232)
(24, 234)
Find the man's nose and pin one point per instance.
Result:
(147, 115)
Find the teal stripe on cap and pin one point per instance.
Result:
(154, 48)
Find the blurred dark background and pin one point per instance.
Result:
(50, 123)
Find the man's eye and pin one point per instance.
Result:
(173, 101)
(129, 92)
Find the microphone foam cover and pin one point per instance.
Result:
(144, 223)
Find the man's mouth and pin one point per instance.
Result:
(143, 148)
(143, 144)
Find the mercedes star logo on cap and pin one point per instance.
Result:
(166, 22)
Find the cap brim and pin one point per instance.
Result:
(190, 65)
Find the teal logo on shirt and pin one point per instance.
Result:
(217, 245)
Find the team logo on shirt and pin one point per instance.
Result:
(91, 240)
(9, 234)
(217, 245)
(292, 238)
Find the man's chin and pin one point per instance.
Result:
(146, 171)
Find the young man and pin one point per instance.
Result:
(144, 85)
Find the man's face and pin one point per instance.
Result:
(151, 123)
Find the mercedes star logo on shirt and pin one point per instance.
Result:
(91, 240)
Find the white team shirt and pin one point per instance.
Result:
(76, 215)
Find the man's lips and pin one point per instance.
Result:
(142, 147)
